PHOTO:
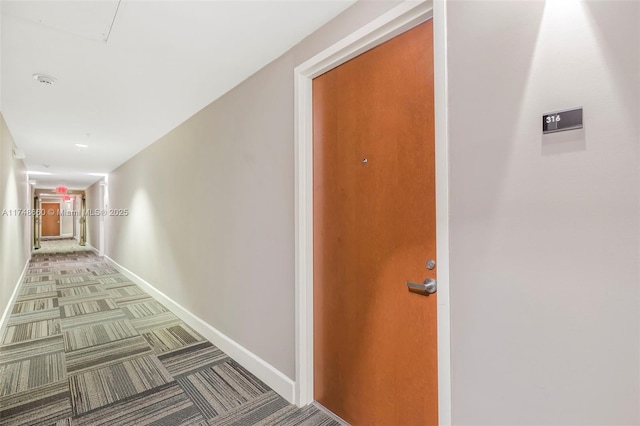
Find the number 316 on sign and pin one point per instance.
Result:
(562, 120)
(553, 118)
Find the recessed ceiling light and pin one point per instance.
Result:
(81, 145)
(44, 79)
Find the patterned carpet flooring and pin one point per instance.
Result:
(60, 245)
(85, 346)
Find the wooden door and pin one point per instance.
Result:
(50, 222)
(374, 229)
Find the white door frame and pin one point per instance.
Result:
(103, 207)
(76, 218)
(398, 20)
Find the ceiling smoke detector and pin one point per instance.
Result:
(18, 155)
(44, 79)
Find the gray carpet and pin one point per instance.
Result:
(60, 245)
(85, 346)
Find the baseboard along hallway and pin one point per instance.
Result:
(83, 345)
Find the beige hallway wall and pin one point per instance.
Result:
(15, 243)
(92, 195)
(544, 229)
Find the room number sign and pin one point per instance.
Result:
(559, 121)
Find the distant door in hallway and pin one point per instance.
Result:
(50, 222)
(375, 347)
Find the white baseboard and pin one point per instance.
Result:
(12, 299)
(95, 250)
(270, 375)
(69, 235)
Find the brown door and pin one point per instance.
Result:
(374, 230)
(50, 222)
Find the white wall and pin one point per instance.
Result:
(14, 231)
(92, 195)
(544, 229)
(211, 204)
(77, 203)
(66, 220)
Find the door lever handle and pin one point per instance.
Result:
(429, 286)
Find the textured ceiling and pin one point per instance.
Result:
(129, 72)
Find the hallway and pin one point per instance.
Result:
(239, 221)
(85, 346)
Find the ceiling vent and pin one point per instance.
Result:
(44, 79)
